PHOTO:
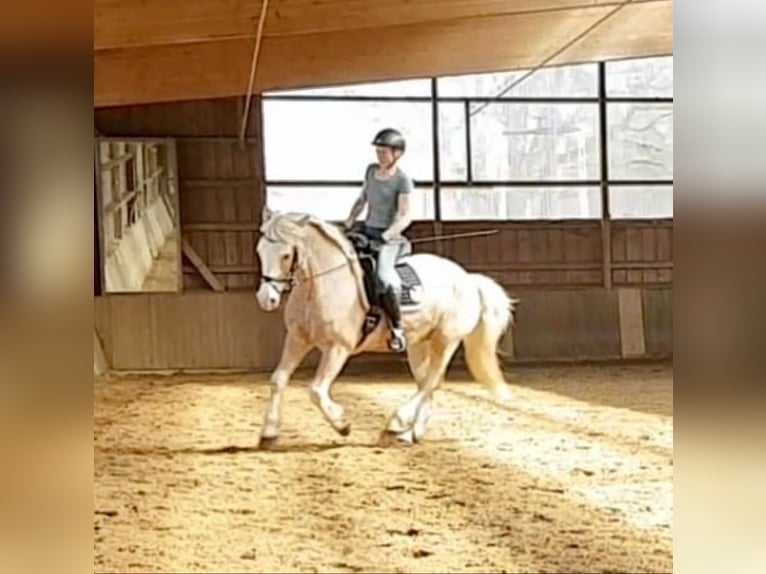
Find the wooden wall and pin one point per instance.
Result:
(556, 269)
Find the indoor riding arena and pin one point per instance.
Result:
(539, 137)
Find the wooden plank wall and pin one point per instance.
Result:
(556, 269)
(642, 252)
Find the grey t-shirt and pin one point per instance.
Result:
(383, 196)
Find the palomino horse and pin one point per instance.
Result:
(315, 265)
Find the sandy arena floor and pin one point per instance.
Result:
(576, 475)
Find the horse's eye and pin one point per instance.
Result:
(285, 257)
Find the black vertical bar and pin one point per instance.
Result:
(97, 279)
(468, 156)
(606, 233)
(436, 155)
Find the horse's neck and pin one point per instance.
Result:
(327, 265)
(321, 256)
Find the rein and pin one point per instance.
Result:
(291, 279)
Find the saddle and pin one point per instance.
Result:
(367, 250)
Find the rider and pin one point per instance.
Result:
(387, 192)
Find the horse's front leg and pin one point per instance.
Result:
(293, 352)
(330, 365)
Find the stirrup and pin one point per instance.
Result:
(398, 341)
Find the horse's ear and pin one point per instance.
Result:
(266, 214)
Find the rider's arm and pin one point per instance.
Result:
(356, 209)
(359, 203)
(402, 220)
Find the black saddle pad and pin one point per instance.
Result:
(409, 277)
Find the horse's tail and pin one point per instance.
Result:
(481, 345)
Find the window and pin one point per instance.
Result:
(334, 202)
(453, 162)
(640, 141)
(520, 203)
(330, 140)
(560, 81)
(532, 152)
(644, 77)
(535, 142)
(641, 201)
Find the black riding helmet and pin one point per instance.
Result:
(390, 137)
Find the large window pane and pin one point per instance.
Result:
(334, 203)
(402, 88)
(561, 81)
(330, 140)
(535, 142)
(520, 203)
(640, 141)
(452, 150)
(642, 77)
(641, 202)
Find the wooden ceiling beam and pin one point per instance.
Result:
(221, 69)
(121, 24)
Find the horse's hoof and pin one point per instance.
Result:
(396, 426)
(406, 438)
(345, 430)
(268, 442)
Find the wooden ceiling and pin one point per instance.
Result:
(165, 50)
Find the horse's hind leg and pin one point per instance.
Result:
(418, 356)
(330, 365)
(420, 360)
(407, 415)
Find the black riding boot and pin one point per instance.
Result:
(390, 303)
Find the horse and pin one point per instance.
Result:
(316, 267)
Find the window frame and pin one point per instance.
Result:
(602, 100)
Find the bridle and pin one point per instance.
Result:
(290, 279)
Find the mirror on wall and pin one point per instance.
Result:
(137, 201)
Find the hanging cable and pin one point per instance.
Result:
(555, 54)
(253, 67)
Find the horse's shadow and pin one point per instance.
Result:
(281, 446)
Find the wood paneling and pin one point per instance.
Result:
(642, 252)
(542, 254)
(205, 330)
(192, 331)
(204, 118)
(120, 24)
(571, 324)
(202, 70)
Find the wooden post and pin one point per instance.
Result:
(606, 228)
(632, 339)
